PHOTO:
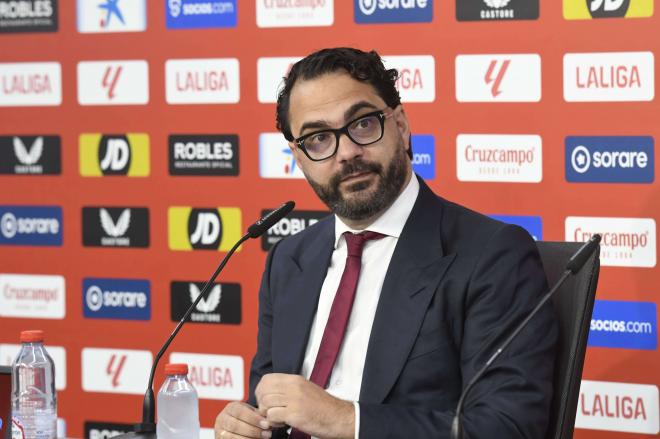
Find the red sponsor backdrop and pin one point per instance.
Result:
(551, 36)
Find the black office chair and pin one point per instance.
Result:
(573, 304)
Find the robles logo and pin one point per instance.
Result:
(610, 159)
(204, 228)
(116, 299)
(626, 242)
(114, 154)
(295, 222)
(393, 11)
(204, 154)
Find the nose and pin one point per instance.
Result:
(348, 150)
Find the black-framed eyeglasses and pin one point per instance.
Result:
(363, 131)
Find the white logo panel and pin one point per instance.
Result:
(123, 16)
(295, 13)
(9, 352)
(270, 75)
(32, 296)
(214, 376)
(498, 78)
(614, 76)
(113, 82)
(115, 370)
(621, 407)
(202, 81)
(626, 242)
(30, 84)
(416, 81)
(511, 158)
(276, 159)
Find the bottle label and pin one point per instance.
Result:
(17, 431)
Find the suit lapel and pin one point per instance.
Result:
(299, 302)
(417, 266)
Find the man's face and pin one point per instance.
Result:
(358, 182)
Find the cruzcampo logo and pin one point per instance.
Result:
(114, 154)
(204, 228)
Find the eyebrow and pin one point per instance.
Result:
(348, 114)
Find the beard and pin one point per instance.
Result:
(369, 203)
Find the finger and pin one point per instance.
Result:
(224, 434)
(271, 400)
(243, 429)
(277, 415)
(247, 414)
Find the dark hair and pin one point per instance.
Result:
(362, 66)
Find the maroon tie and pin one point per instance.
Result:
(339, 314)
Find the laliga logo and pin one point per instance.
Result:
(368, 6)
(175, 7)
(94, 298)
(8, 225)
(116, 155)
(496, 3)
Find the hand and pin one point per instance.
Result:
(299, 403)
(239, 420)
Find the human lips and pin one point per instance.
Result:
(356, 176)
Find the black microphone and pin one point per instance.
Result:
(573, 266)
(147, 428)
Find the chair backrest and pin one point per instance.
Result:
(573, 304)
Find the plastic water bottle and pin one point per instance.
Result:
(33, 396)
(178, 410)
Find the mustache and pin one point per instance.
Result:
(354, 167)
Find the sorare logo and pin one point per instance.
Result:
(533, 224)
(123, 299)
(393, 11)
(198, 14)
(588, 9)
(28, 16)
(478, 10)
(222, 303)
(31, 225)
(204, 155)
(217, 228)
(114, 154)
(30, 155)
(616, 159)
(423, 147)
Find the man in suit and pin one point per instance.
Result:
(373, 320)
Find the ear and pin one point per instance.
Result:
(297, 152)
(402, 124)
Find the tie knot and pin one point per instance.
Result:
(355, 241)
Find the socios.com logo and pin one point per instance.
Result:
(628, 325)
(191, 14)
(128, 299)
(30, 225)
(204, 228)
(393, 11)
(616, 159)
(423, 147)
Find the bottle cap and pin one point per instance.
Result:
(176, 369)
(34, 336)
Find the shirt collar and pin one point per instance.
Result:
(392, 221)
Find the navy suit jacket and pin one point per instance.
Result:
(457, 283)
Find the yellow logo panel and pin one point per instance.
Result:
(122, 154)
(204, 229)
(588, 9)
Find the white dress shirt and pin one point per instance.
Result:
(346, 377)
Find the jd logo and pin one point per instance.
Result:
(608, 8)
(204, 229)
(114, 155)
